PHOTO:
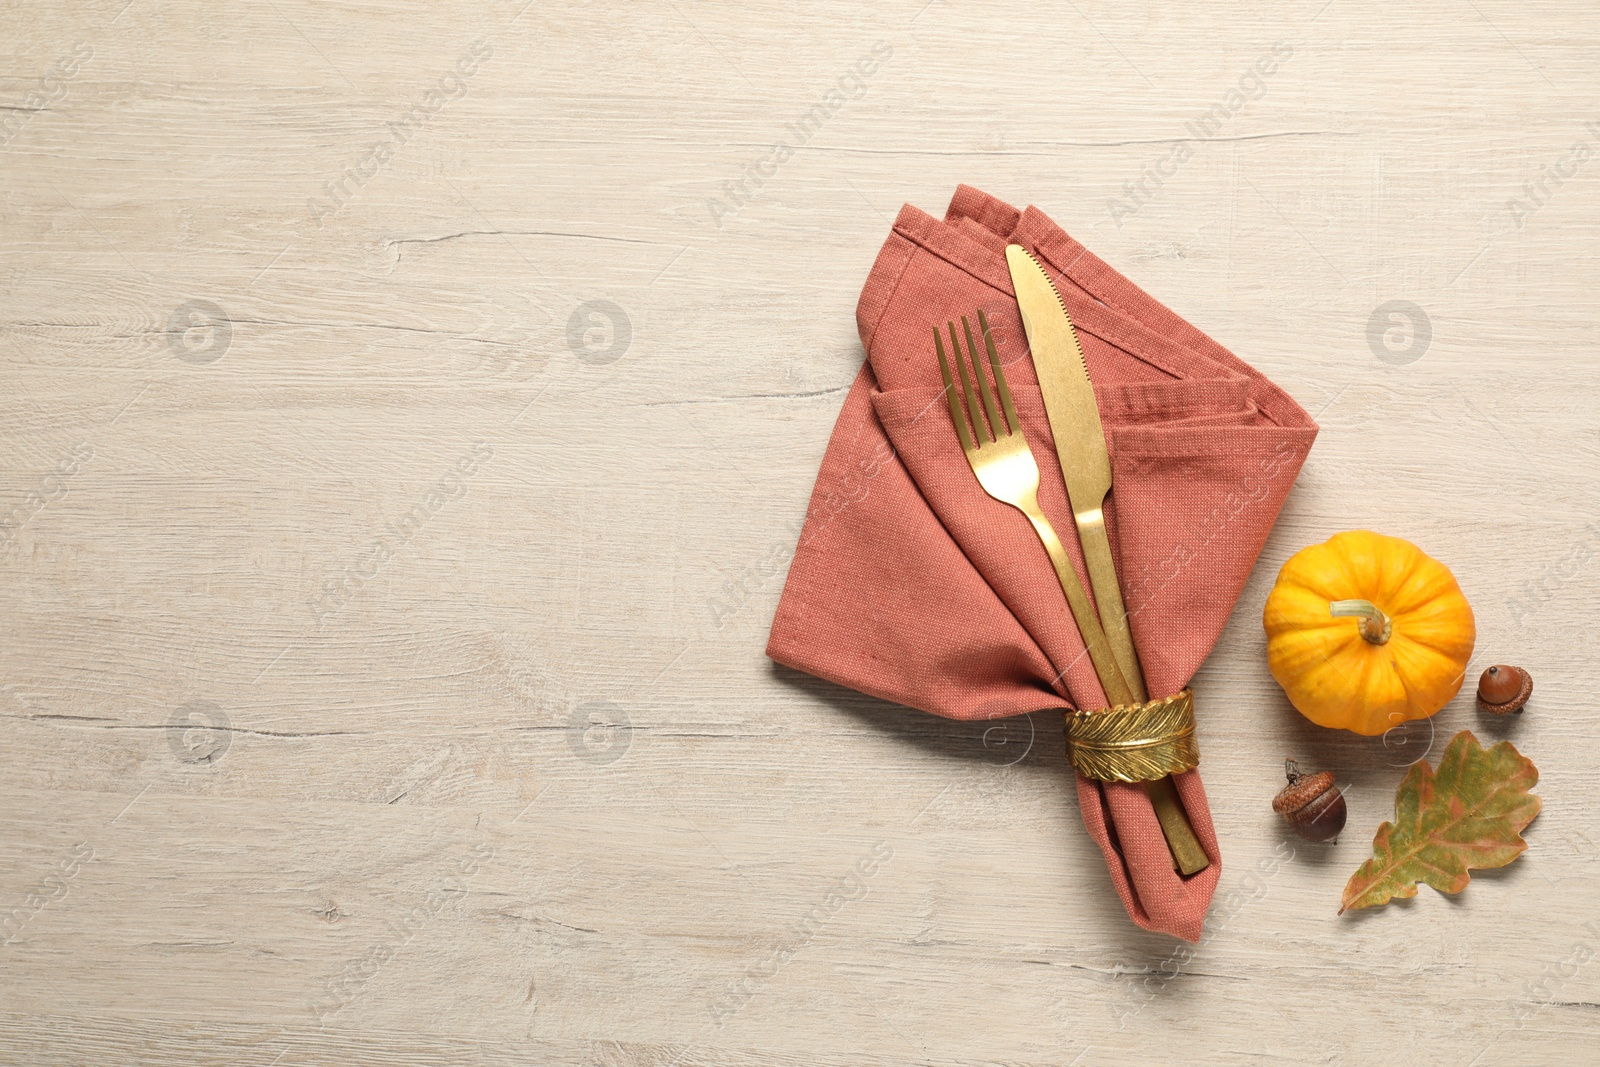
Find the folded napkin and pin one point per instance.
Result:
(912, 585)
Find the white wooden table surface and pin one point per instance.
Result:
(405, 425)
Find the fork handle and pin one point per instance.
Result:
(1188, 855)
(1094, 635)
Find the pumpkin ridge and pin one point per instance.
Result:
(1390, 667)
(1449, 600)
(1431, 645)
(1405, 684)
(1422, 590)
(1351, 577)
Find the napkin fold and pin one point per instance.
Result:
(912, 585)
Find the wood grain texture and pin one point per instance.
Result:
(383, 680)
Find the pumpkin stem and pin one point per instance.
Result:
(1376, 627)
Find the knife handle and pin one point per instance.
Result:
(1108, 595)
(1188, 857)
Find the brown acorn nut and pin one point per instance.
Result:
(1311, 804)
(1504, 689)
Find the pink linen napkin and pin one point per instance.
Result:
(912, 585)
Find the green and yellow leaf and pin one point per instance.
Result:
(1468, 813)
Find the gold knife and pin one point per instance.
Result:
(1080, 444)
(1086, 466)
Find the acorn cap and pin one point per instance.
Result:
(1504, 689)
(1303, 790)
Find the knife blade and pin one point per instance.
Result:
(1080, 444)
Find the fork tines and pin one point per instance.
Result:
(981, 432)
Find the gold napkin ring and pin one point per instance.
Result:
(1134, 742)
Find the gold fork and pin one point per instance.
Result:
(998, 452)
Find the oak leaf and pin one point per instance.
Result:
(1468, 813)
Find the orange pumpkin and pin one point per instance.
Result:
(1365, 632)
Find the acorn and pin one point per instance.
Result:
(1311, 804)
(1504, 689)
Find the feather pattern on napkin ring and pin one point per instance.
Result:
(1134, 742)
